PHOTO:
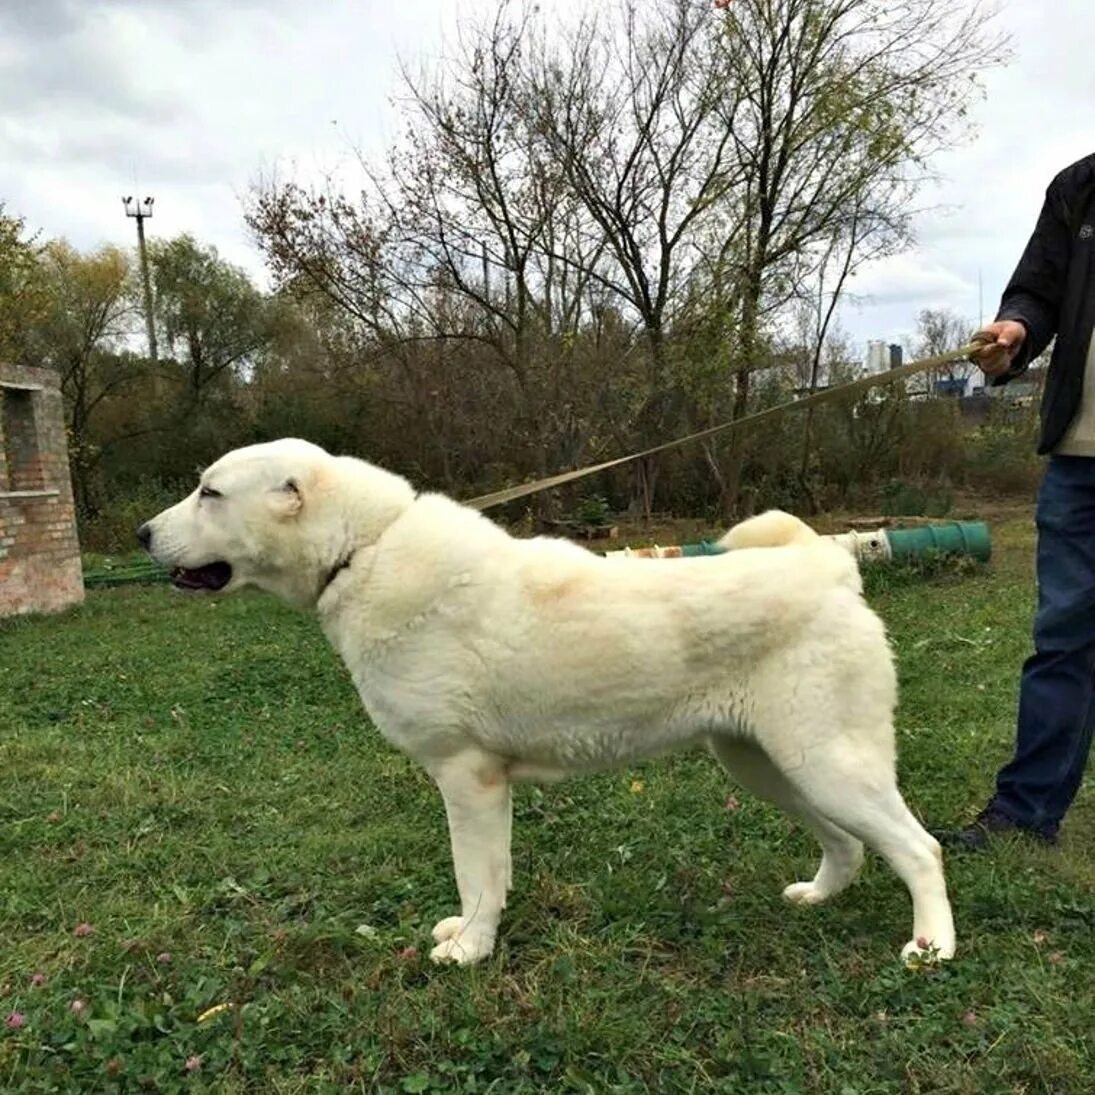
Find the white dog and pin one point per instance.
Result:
(492, 660)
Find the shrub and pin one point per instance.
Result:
(1001, 459)
(111, 530)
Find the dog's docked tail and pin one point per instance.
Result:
(776, 529)
(772, 529)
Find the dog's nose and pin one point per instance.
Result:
(144, 536)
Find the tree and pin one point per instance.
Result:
(691, 172)
(938, 331)
(777, 132)
(23, 297)
(839, 105)
(89, 312)
(630, 107)
(450, 249)
(860, 241)
(213, 318)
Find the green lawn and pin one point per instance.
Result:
(196, 781)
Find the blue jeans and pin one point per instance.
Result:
(1057, 692)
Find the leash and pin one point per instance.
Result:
(827, 395)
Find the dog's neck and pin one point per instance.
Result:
(335, 571)
(372, 500)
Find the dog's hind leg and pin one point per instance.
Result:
(479, 809)
(842, 853)
(862, 798)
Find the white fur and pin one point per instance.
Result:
(490, 660)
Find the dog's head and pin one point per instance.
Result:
(280, 516)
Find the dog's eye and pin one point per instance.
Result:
(208, 492)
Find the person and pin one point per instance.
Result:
(1052, 293)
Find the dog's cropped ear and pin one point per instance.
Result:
(287, 498)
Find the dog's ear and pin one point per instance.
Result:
(287, 498)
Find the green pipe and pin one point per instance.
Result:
(970, 538)
(704, 547)
(956, 538)
(124, 575)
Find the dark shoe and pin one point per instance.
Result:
(990, 824)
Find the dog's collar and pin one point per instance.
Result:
(335, 571)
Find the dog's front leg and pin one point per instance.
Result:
(476, 791)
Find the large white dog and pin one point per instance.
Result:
(492, 660)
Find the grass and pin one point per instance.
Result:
(195, 780)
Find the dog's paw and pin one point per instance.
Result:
(460, 942)
(926, 952)
(804, 893)
(464, 951)
(447, 928)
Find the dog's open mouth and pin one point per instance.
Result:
(212, 576)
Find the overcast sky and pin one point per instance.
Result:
(190, 100)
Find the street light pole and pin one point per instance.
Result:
(142, 211)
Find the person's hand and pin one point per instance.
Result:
(1001, 342)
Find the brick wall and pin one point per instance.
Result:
(39, 552)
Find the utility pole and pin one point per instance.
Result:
(142, 211)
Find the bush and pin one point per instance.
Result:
(901, 498)
(1001, 459)
(593, 510)
(111, 530)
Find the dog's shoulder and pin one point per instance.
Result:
(437, 522)
(437, 545)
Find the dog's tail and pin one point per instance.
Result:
(777, 529)
(772, 529)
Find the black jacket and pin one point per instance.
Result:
(1052, 292)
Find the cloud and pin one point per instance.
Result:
(191, 100)
(66, 60)
(908, 279)
(42, 20)
(1031, 123)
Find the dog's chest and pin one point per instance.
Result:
(420, 703)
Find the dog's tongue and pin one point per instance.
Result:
(214, 576)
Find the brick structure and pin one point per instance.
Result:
(39, 553)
